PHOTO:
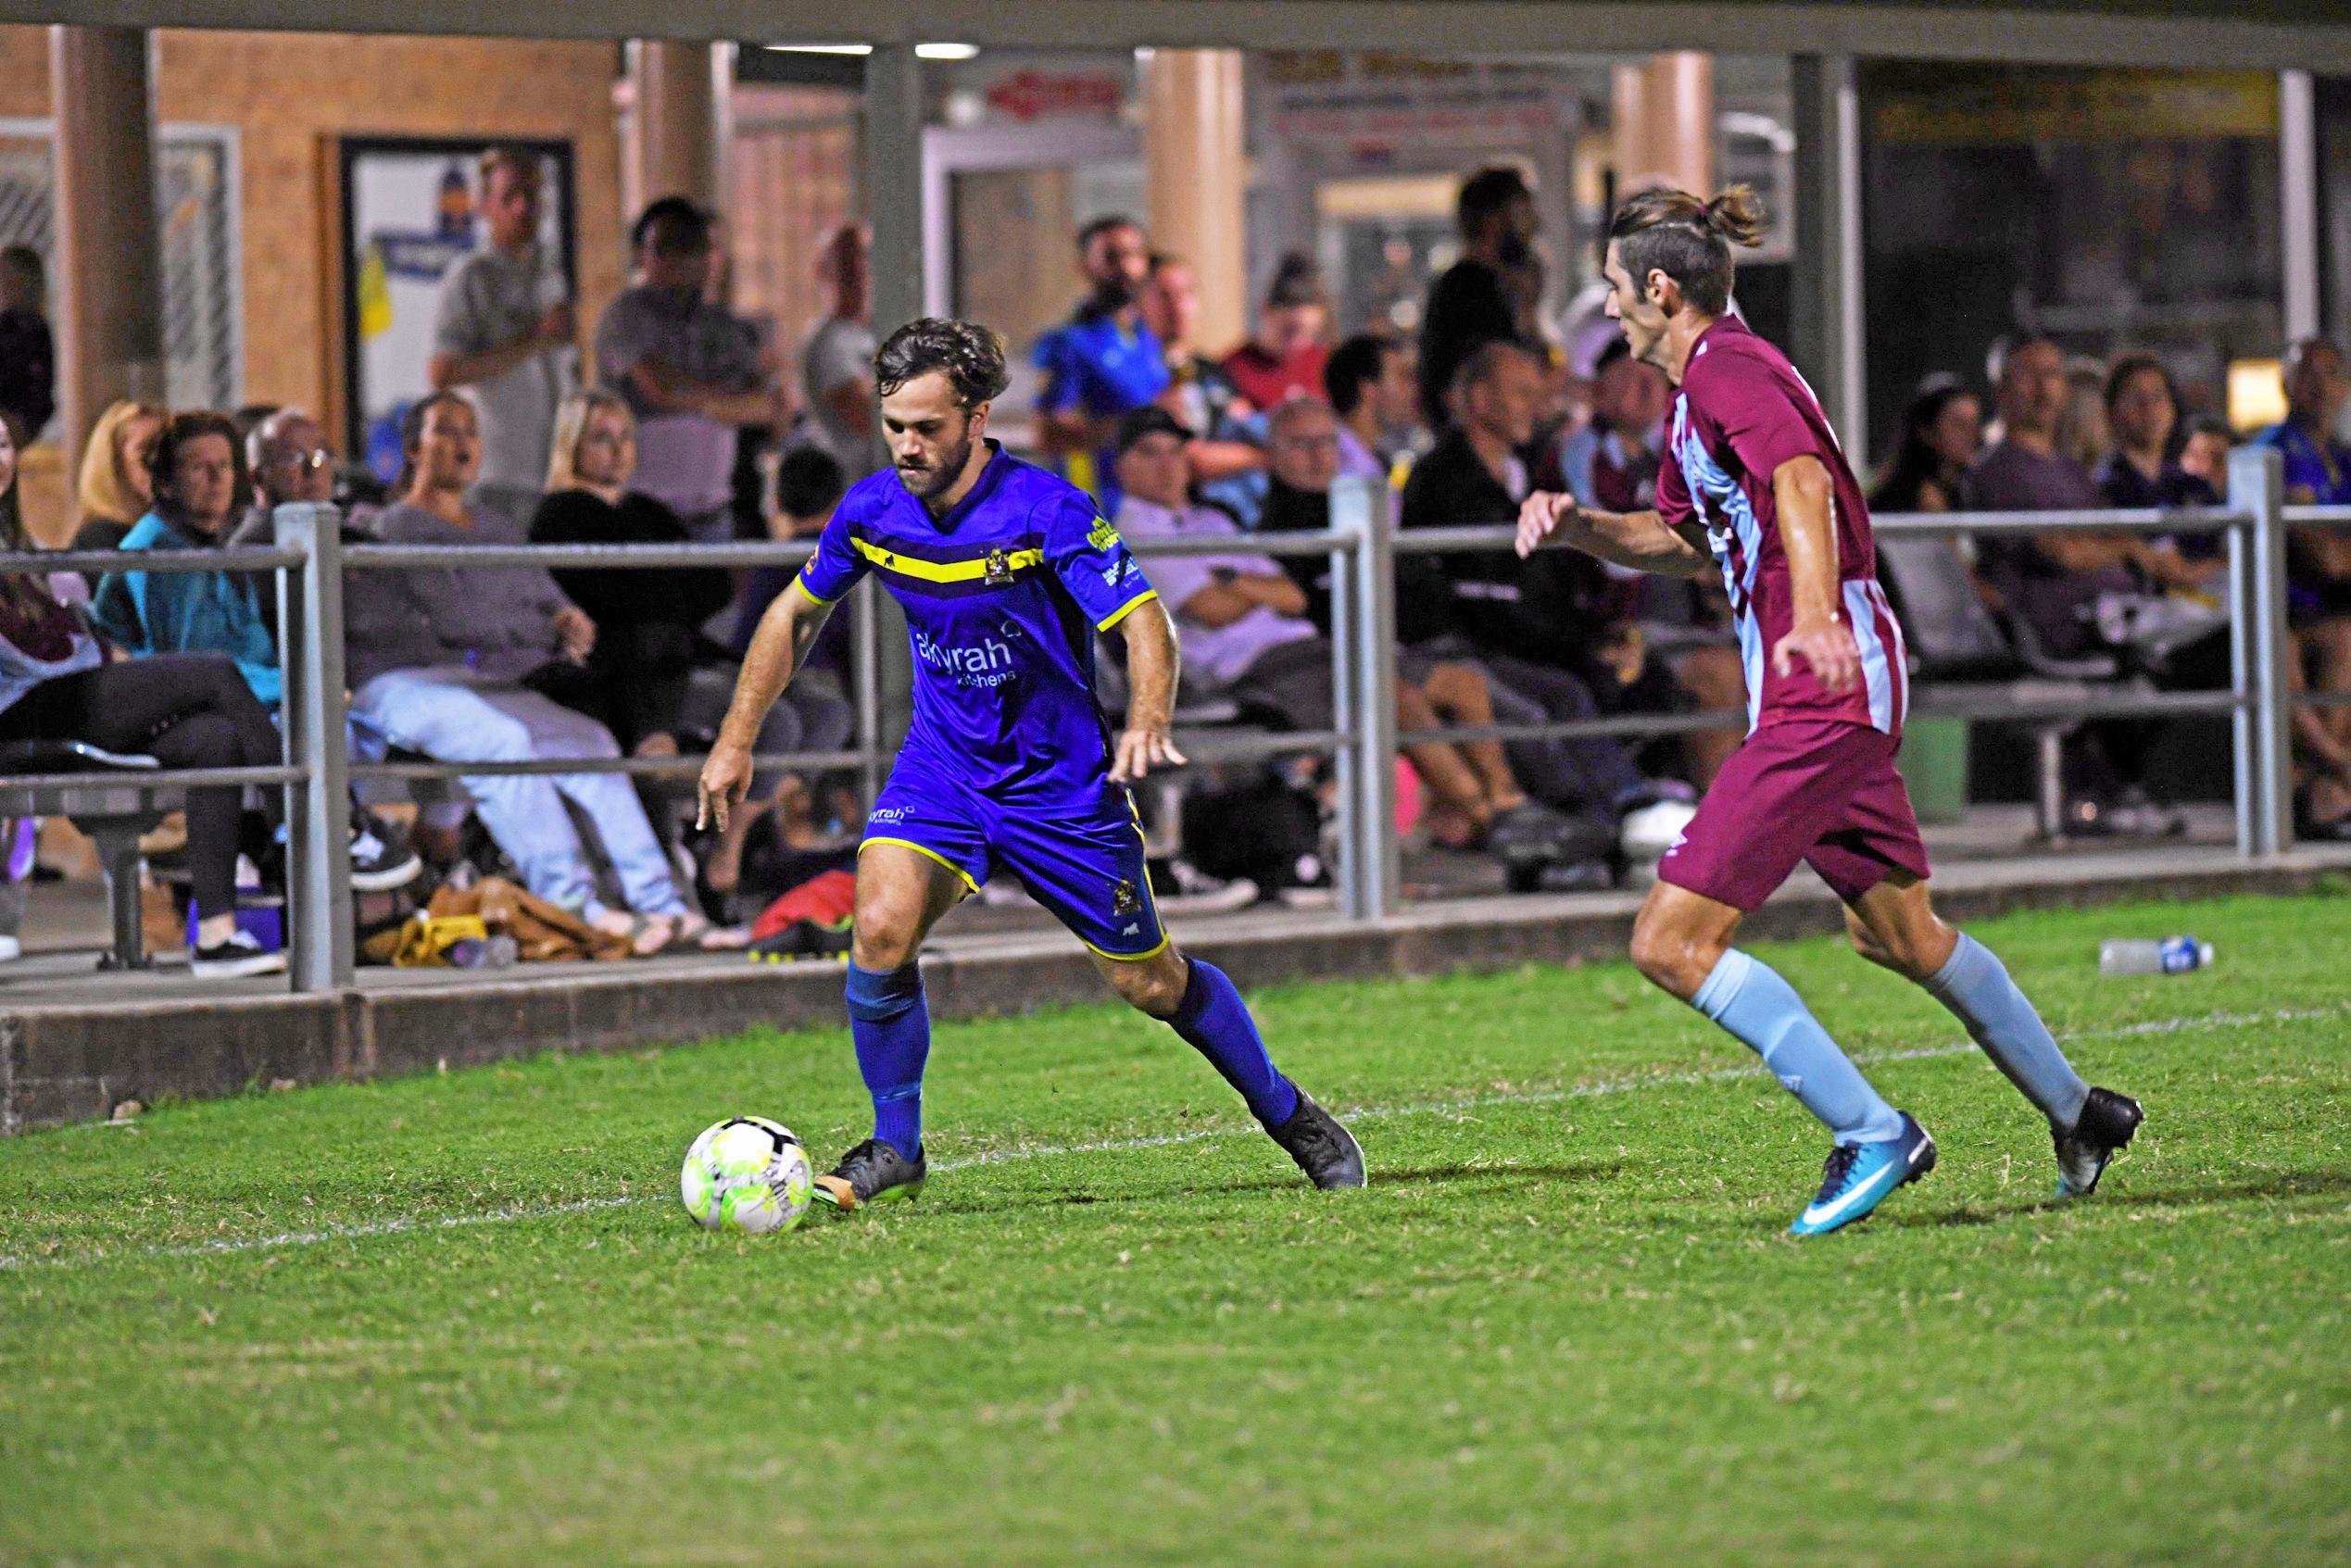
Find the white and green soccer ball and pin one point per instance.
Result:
(747, 1173)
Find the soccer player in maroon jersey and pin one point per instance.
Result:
(1753, 479)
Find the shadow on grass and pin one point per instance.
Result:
(2284, 1185)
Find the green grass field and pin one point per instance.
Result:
(462, 1320)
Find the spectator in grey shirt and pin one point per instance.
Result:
(692, 375)
(456, 675)
(837, 361)
(504, 332)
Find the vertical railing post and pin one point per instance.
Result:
(318, 814)
(1366, 507)
(2245, 756)
(2256, 485)
(865, 685)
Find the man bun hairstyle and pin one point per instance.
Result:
(971, 357)
(1688, 240)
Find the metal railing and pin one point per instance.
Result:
(311, 557)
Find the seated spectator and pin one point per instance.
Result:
(186, 710)
(647, 620)
(1285, 359)
(115, 489)
(1539, 625)
(1581, 777)
(837, 358)
(2056, 583)
(1200, 393)
(199, 488)
(2317, 472)
(2083, 436)
(688, 369)
(813, 714)
(1243, 626)
(458, 672)
(2142, 408)
(1942, 433)
(1373, 386)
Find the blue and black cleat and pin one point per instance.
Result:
(1860, 1177)
(2102, 1131)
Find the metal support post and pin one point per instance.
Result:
(1826, 323)
(2245, 756)
(865, 689)
(1366, 507)
(892, 128)
(2299, 186)
(317, 810)
(2256, 485)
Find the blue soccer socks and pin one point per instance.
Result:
(892, 1028)
(1975, 986)
(1746, 997)
(1214, 1020)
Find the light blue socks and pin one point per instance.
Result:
(1976, 987)
(1749, 998)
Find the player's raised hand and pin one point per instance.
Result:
(726, 778)
(1538, 516)
(1141, 750)
(1827, 649)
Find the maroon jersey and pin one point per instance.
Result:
(1742, 412)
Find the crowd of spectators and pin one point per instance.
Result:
(684, 421)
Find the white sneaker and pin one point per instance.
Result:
(234, 958)
(1180, 887)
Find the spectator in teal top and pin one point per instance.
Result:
(201, 487)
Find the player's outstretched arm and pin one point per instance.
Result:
(1151, 665)
(786, 631)
(1641, 540)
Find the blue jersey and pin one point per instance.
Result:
(1002, 598)
(2323, 470)
(1100, 368)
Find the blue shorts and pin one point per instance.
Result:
(1086, 868)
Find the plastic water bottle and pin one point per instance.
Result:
(2173, 955)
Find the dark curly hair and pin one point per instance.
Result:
(970, 356)
(163, 463)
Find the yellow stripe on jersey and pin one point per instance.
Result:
(945, 571)
(1125, 610)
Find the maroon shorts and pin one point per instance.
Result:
(1818, 790)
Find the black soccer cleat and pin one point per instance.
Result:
(1326, 1151)
(873, 1172)
(2101, 1132)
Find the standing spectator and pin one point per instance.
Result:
(116, 485)
(1473, 304)
(2205, 453)
(1373, 389)
(647, 620)
(1285, 359)
(1105, 361)
(461, 680)
(837, 361)
(1243, 625)
(1200, 393)
(1941, 434)
(505, 332)
(184, 710)
(28, 354)
(690, 370)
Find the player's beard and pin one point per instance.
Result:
(927, 484)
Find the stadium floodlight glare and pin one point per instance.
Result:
(946, 51)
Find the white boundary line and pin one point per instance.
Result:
(1115, 1145)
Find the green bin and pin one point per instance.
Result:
(1934, 763)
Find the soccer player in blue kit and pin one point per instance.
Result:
(1005, 572)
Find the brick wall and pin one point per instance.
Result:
(289, 95)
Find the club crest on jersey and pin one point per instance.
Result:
(999, 570)
(1124, 899)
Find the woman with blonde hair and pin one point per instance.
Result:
(647, 623)
(115, 488)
